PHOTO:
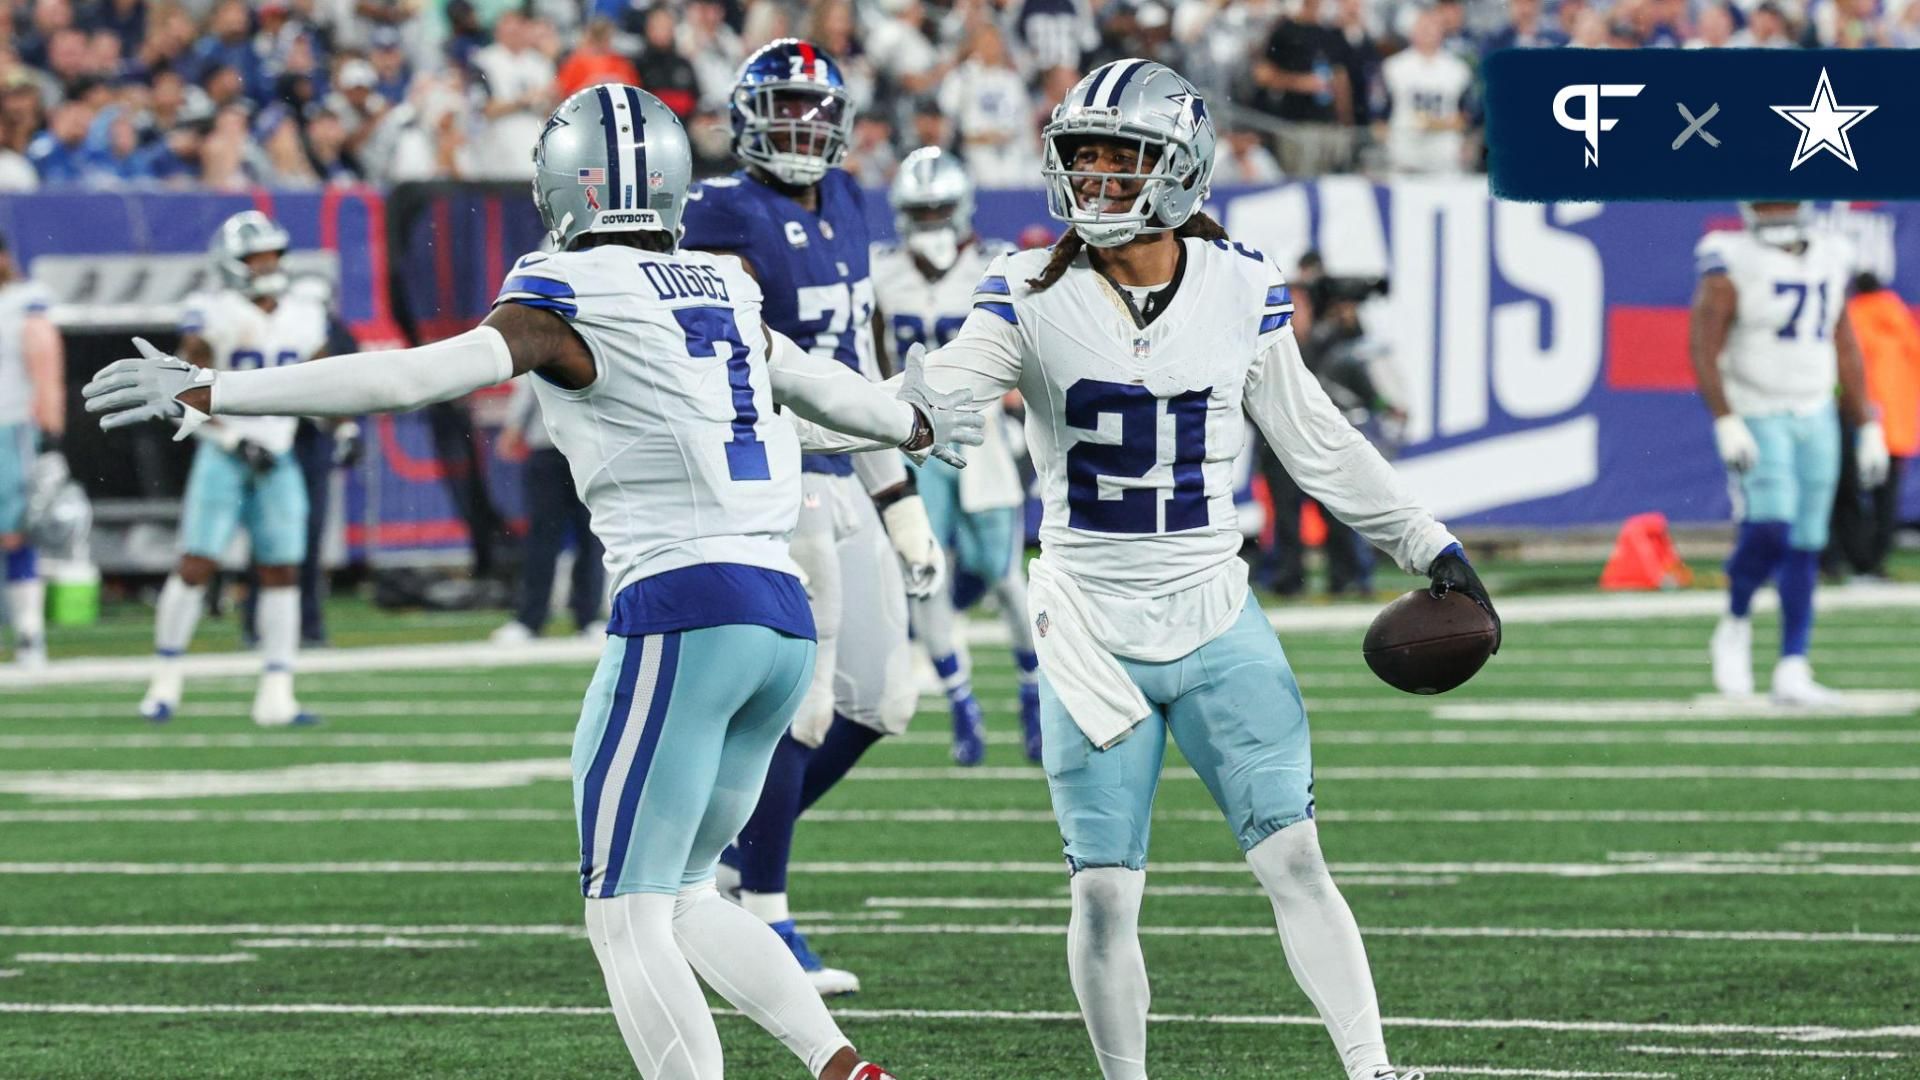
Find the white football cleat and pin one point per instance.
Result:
(1388, 1074)
(1732, 652)
(274, 704)
(163, 695)
(513, 633)
(30, 657)
(1793, 685)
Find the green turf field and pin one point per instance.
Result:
(1562, 872)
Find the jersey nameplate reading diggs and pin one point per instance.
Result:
(675, 447)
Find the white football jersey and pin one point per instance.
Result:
(1134, 430)
(18, 300)
(1425, 91)
(245, 337)
(675, 447)
(930, 313)
(1779, 356)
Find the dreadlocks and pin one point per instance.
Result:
(1069, 247)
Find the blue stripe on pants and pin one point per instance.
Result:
(596, 779)
(642, 760)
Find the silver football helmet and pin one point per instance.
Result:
(612, 158)
(247, 233)
(932, 198)
(1782, 224)
(1136, 101)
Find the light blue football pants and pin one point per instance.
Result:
(1233, 707)
(17, 443)
(224, 494)
(981, 541)
(672, 749)
(1796, 476)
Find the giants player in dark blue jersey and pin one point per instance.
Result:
(799, 224)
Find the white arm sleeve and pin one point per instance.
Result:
(983, 358)
(392, 380)
(846, 411)
(1333, 462)
(880, 471)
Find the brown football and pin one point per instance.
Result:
(1427, 645)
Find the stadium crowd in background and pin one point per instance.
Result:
(227, 94)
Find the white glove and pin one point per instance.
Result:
(953, 417)
(1870, 455)
(1738, 451)
(146, 387)
(921, 560)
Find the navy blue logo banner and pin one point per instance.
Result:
(1656, 124)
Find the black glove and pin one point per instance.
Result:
(259, 459)
(1450, 570)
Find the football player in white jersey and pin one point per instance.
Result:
(1769, 341)
(658, 381)
(924, 289)
(33, 416)
(1138, 342)
(244, 472)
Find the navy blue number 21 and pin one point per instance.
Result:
(1137, 510)
(711, 331)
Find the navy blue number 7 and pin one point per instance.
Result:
(711, 331)
(1790, 330)
(1137, 510)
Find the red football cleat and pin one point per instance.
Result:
(867, 1070)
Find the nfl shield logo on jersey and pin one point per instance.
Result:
(826, 231)
(1041, 622)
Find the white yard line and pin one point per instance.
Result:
(9, 973)
(134, 958)
(290, 741)
(1839, 848)
(1749, 1051)
(974, 817)
(1542, 1073)
(917, 867)
(1440, 932)
(1798, 1033)
(1578, 607)
(389, 942)
(359, 776)
(1404, 773)
(451, 709)
(1667, 710)
(161, 930)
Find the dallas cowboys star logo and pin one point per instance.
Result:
(1823, 125)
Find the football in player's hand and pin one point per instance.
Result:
(1425, 644)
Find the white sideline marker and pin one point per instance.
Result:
(1266, 930)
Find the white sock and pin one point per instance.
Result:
(768, 907)
(750, 966)
(27, 604)
(933, 624)
(662, 1012)
(278, 619)
(176, 615)
(1323, 944)
(1108, 971)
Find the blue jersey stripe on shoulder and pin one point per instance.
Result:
(540, 286)
(1279, 294)
(994, 284)
(1274, 322)
(1000, 308)
(558, 306)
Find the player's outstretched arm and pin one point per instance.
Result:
(514, 339)
(1334, 463)
(1715, 302)
(833, 396)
